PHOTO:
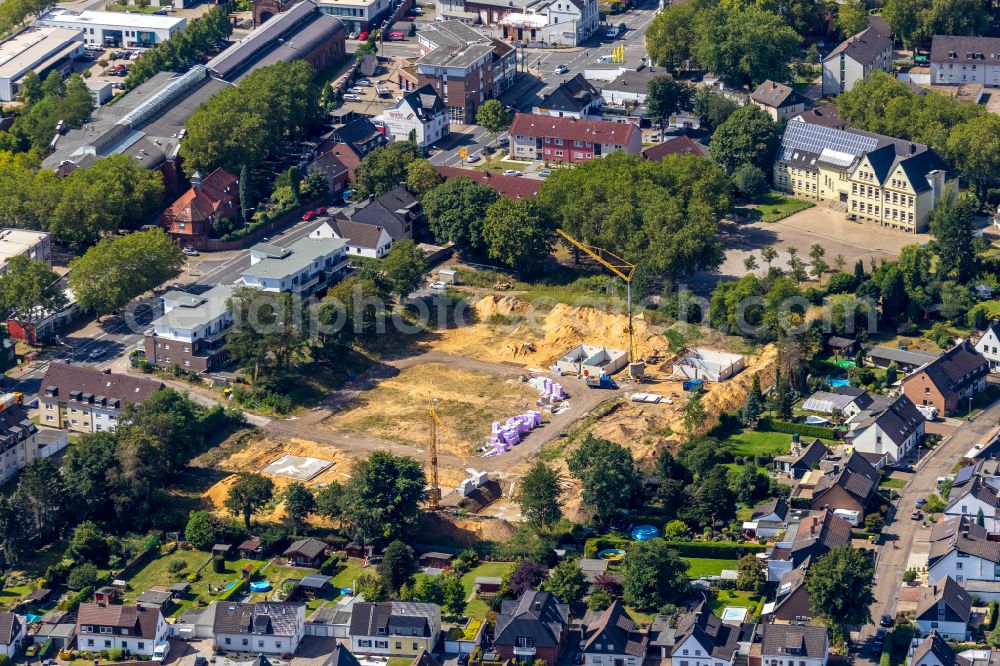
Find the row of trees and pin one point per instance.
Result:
(201, 36)
(915, 22)
(115, 194)
(45, 103)
(243, 125)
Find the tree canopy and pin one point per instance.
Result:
(29, 290)
(607, 473)
(840, 585)
(748, 136)
(519, 233)
(654, 575)
(748, 44)
(383, 497)
(248, 494)
(455, 212)
(384, 168)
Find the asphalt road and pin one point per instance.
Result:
(904, 532)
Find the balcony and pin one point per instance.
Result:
(524, 651)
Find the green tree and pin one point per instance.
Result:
(894, 297)
(421, 177)
(904, 18)
(384, 168)
(116, 270)
(951, 226)
(30, 90)
(910, 575)
(712, 500)
(540, 495)
(749, 180)
(607, 473)
(396, 567)
(453, 593)
(203, 530)
(267, 334)
(29, 290)
(654, 575)
(248, 494)
(429, 589)
(874, 522)
(819, 266)
(330, 501)
(974, 148)
(89, 543)
(455, 212)
(518, 233)
(567, 582)
(665, 97)
(246, 198)
(748, 136)
(753, 407)
(39, 496)
(712, 108)
(371, 587)
(749, 484)
(82, 575)
(750, 263)
(299, 502)
(852, 17)
(746, 43)
(599, 600)
(840, 586)
(493, 116)
(750, 574)
(383, 497)
(980, 518)
(85, 472)
(670, 37)
(694, 414)
(405, 267)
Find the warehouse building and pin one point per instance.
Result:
(115, 29)
(42, 50)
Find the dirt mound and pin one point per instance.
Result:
(441, 525)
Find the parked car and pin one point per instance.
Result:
(621, 27)
(916, 515)
(190, 251)
(160, 651)
(96, 353)
(308, 216)
(353, 35)
(904, 467)
(561, 69)
(363, 36)
(397, 35)
(920, 502)
(439, 286)
(886, 621)
(417, 10)
(472, 159)
(611, 33)
(93, 47)
(544, 173)
(363, 82)
(503, 142)
(320, 210)
(351, 98)
(357, 90)
(200, 661)
(512, 172)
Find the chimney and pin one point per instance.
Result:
(107, 371)
(196, 181)
(913, 148)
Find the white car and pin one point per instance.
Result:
(351, 98)
(440, 286)
(472, 159)
(190, 251)
(96, 353)
(93, 47)
(160, 651)
(512, 172)
(562, 69)
(357, 90)
(611, 33)
(363, 82)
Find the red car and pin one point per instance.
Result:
(308, 216)
(363, 36)
(321, 210)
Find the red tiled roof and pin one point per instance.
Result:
(571, 129)
(511, 187)
(682, 145)
(199, 204)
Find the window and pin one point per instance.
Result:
(382, 644)
(399, 645)
(367, 644)
(107, 644)
(416, 646)
(90, 642)
(141, 645)
(246, 641)
(228, 641)
(260, 643)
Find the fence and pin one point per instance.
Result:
(216, 245)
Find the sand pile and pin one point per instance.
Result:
(437, 525)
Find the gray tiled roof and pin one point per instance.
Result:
(942, 654)
(954, 597)
(795, 641)
(276, 619)
(777, 95)
(403, 618)
(857, 477)
(720, 639)
(967, 50)
(536, 614)
(614, 631)
(311, 548)
(864, 47)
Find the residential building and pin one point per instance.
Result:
(934, 651)
(115, 29)
(906, 360)
(301, 32)
(949, 382)
(574, 98)
(780, 101)
(306, 267)
(333, 170)
(855, 58)
(133, 628)
(82, 399)
(702, 639)
(791, 599)
(535, 626)
(463, 66)
(848, 487)
(394, 628)
(59, 627)
(844, 400)
(768, 519)
(191, 219)
(420, 114)
(824, 115)
(306, 553)
(358, 15)
(363, 240)
(563, 22)
(35, 245)
(795, 645)
(680, 145)
(800, 461)
(42, 51)
(945, 608)
(988, 346)
(511, 187)
(973, 499)
(815, 535)
(630, 86)
(570, 140)
(613, 639)
(961, 550)
(894, 430)
(13, 634)
(191, 332)
(956, 60)
(397, 211)
(21, 441)
(353, 141)
(261, 628)
(885, 181)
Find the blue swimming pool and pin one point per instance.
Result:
(260, 586)
(839, 382)
(644, 532)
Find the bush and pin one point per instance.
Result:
(716, 550)
(331, 566)
(218, 564)
(749, 181)
(767, 424)
(72, 603)
(910, 575)
(82, 576)
(116, 654)
(874, 523)
(176, 566)
(597, 544)
(994, 608)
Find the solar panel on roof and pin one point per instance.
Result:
(817, 138)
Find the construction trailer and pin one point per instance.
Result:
(708, 365)
(592, 361)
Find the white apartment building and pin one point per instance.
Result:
(421, 114)
(114, 29)
(989, 346)
(855, 58)
(262, 628)
(191, 332)
(357, 15)
(133, 628)
(306, 266)
(958, 60)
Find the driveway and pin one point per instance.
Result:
(828, 227)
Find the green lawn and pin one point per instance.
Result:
(775, 206)
(204, 591)
(703, 566)
(892, 483)
(478, 608)
(754, 443)
(719, 600)
(9, 596)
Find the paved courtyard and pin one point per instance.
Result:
(830, 228)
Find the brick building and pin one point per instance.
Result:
(949, 382)
(569, 139)
(190, 220)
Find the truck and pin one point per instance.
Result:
(604, 381)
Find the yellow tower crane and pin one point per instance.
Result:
(434, 496)
(626, 271)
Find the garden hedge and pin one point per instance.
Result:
(716, 550)
(771, 425)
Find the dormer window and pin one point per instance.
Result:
(381, 631)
